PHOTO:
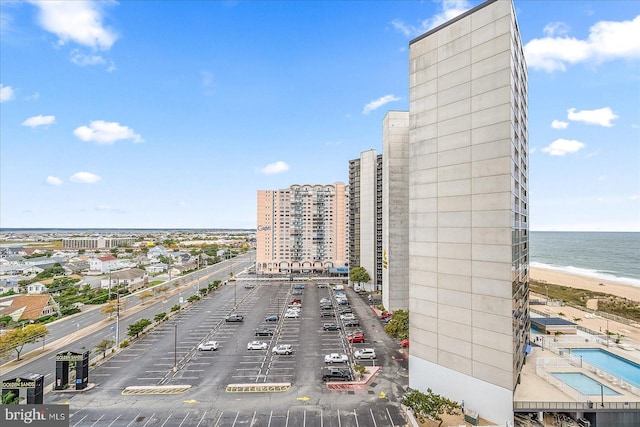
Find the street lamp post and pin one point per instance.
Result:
(175, 347)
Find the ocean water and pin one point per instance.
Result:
(613, 256)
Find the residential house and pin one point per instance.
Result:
(36, 288)
(133, 279)
(28, 307)
(103, 264)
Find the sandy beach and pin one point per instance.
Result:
(581, 282)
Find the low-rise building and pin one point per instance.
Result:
(27, 307)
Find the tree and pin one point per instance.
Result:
(398, 326)
(10, 398)
(359, 275)
(15, 339)
(429, 405)
(160, 316)
(103, 346)
(112, 306)
(136, 328)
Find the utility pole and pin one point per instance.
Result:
(117, 318)
(175, 347)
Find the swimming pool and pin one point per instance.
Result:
(584, 384)
(617, 366)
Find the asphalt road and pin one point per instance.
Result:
(211, 388)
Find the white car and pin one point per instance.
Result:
(257, 345)
(336, 358)
(347, 316)
(282, 349)
(208, 346)
(292, 314)
(365, 353)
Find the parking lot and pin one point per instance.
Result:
(232, 372)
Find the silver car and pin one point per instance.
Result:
(282, 349)
(257, 345)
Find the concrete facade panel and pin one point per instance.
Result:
(491, 150)
(454, 141)
(454, 346)
(491, 219)
(454, 234)
(492, 322)
(456, 314)
(454, 94)
(500, 377)
(454, 78)
(493, 270)
(490, 201)
(455, 125)
(454, 250)
(492, 253)
(455, 361)
(491, 305)
(492, 287)
(490, 116)
(491, 236)
(455, 219)
(454, 188)
(491, 184)
(454, 109)
(497, 166)
(454, 172)
(494, 132)
(454, 157)
(454, 266)
(454, 203)
(491, 49)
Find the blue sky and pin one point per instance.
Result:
(173, 114)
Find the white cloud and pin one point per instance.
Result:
(274, 168)
(53, 180)
(557, 124)
(207, 78)
(450, 9)
(634, 197)
(76, 21)
(377, 103)
(560, 147)
(40, 120)
(33, 97)
(601, 116)
(85, 178)
(555, 29)
(106, 132)
(84, 60)
(6, 93)
(607, 41)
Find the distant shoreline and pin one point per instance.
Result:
(554, 277)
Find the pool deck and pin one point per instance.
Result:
(534, 388)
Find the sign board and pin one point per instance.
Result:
(69, 357)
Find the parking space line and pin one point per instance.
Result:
(149, 419)
(96, 422)
(236, 419)
(133, 420)
(373, 418)
(117, 418)
(390, 419)
(201, 419)
(184, 419)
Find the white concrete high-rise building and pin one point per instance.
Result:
(395, 211)
(467, 210)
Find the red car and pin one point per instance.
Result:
(357, 337)
(385, 315)
(296, 301)
(404, 342)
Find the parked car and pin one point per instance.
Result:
(351, 323)
(347, 316)
(404, 342)
(235, 317)
(365, 353)
(208, 346)
(327, 313)
(292, 314)
(298, 286)
(355, 337)
(344, 310)
(333, 374)
(296, 292)
(249, 286)
(264, 332)
(282, 349)
(273, 318)
(336, 358)
(321, 286)
(330, 327)
(257, 345)
(296, 301)
(385, 315)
